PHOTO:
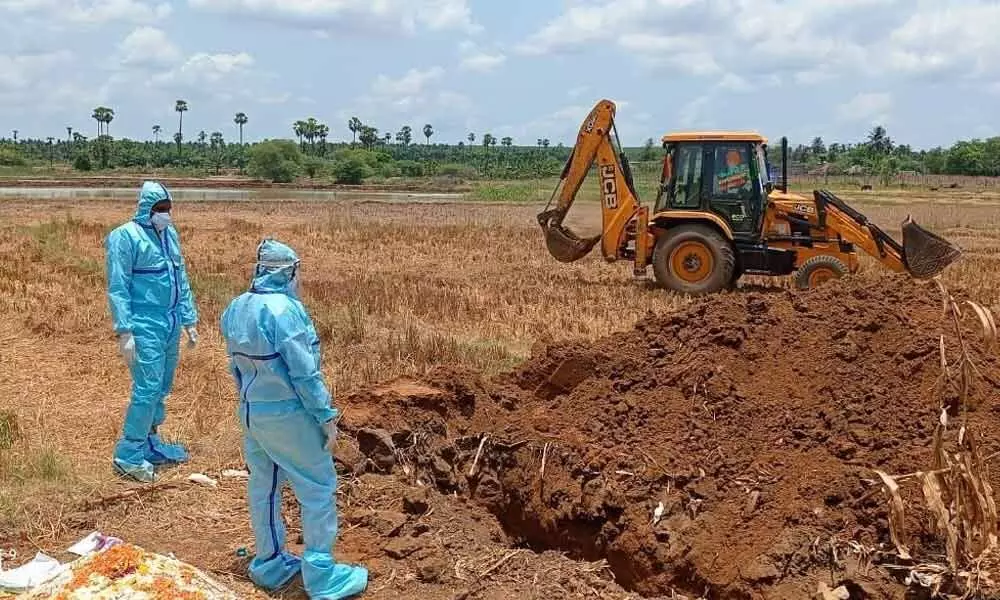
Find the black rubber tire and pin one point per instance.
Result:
(723, 254)
(823, 261)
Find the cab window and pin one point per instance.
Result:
(687, 187)
(732, 172)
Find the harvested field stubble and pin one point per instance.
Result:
(687, 410)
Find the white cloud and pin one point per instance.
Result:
(475, 58)
(148, 47)
(949, 35)
(866, 107)
(93, 12)
(20, 72)
(811, 41)
(390, 16)
(413, 83)
(691, 113)
(733, 82)
(483, 62)
(26, 86)
(414, 97)
(205, 69)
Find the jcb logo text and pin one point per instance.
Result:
(609, 186)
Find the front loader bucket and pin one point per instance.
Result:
(566, 246)
(926, 253)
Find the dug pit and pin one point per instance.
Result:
(718, 452)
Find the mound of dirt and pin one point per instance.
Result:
(724, 451)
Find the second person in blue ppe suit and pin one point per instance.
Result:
(289, 428)
(150, 300)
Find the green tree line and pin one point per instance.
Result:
(414, 151)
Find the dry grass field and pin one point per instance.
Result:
(394, 289)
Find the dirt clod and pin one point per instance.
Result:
(402, 547)
(416, 502)
(378, 446)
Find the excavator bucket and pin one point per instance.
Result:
(926, 253)
(566, 246)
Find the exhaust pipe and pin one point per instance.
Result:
(564, 245)
(784, 164)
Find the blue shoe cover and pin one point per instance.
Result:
(274, 573)
(143, 472)
(159, 452)
(326, 580)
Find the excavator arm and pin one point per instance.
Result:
(622, 216)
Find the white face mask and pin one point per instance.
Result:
(160, 220)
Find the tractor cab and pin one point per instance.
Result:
(722, 173)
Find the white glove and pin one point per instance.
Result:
(192, 334)
(330, 429)
(126, 347)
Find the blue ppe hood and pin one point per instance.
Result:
(150, 193)
(276, 266)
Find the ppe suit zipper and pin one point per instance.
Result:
(165, 246)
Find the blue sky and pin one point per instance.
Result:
(927, 70)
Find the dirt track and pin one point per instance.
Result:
(754, 418)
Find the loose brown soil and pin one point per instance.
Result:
(755, 418)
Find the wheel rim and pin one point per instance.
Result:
(692, 262)
(821, 275)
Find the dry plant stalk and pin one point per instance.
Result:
(956, 491)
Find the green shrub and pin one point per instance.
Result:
(277, 160)
(458, 171)
(81, 162)
(314, 166)
(390, 169)
(352, 170)
(411, 168)
(10, 157)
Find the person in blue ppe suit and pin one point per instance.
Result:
(289, 427)
(151, 300)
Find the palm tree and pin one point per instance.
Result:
(472, 138)
(240, 120)
(15, 136)
(322, 130)
(355, 126)
(311, 131)
(218, 146)
(180, 106)
(428, 132)
(879, 140)
(156, 133)
(69, 133)
(109, 115)
(103, 115)
(202, 136)
(299, 127)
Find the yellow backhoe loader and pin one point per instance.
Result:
(718, 215)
